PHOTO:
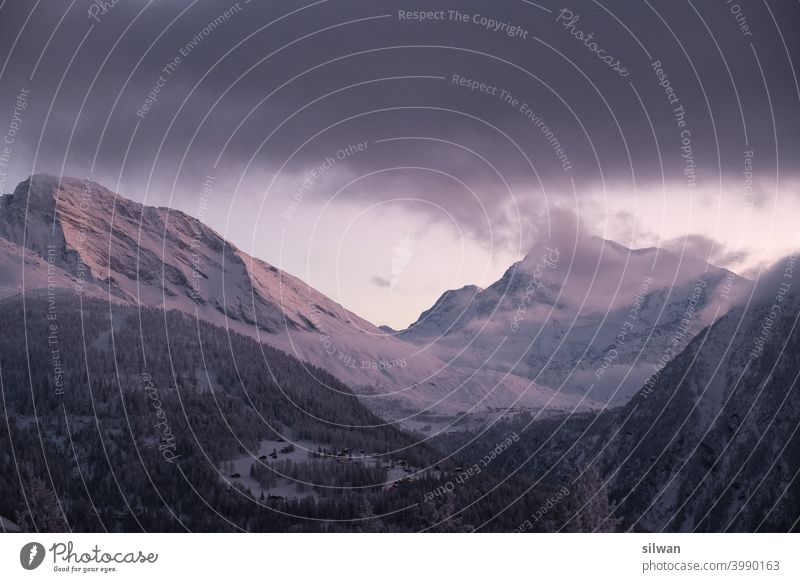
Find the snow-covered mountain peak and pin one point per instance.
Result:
(556, 314)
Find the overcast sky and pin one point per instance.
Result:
(478, 131)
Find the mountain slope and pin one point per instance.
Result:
(714, 444)
(711, 443)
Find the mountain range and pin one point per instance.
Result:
(670, 382)
(107, 246)
(541, 338)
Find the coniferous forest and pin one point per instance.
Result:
(98, 455)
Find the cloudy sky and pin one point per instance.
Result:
(385, 158)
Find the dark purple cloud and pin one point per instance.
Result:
(155, 93)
